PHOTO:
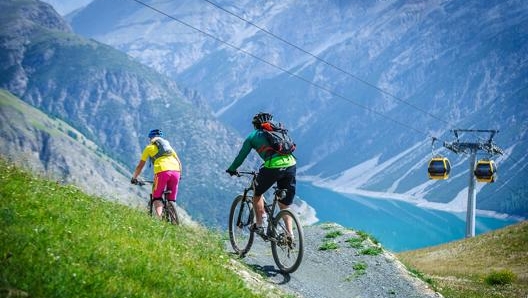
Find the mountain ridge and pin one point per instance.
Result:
(119, 98)
(114, 101)
(403, 72)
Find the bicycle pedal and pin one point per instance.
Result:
(260, 231)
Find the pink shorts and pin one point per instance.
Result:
(167, 180)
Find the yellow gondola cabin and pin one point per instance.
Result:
(485, 171)
(439, 168)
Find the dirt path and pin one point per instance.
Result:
(343, 272)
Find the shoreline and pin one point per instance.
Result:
(450, 207)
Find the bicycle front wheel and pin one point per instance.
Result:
(172, 214)
(241, 218)
(287, 248)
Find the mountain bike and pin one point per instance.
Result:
(169, 212)
(287, 249)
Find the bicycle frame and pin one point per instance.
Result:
(269, 208)
(283, 225)
(167, 214)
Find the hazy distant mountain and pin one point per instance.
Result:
(362, 85)
(66, 7)
(109, 100)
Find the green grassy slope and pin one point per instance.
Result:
(57, 241)
(464, 268)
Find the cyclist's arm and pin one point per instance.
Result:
(242, 154)
(139, 168)
(142, 161)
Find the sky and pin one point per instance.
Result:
(63, 7)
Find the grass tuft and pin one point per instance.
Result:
(328, 245)
(361, 266)
(501, 277)
(355, 242)
(372, 251)
(359, 269)
(364, 235)
(333, 234)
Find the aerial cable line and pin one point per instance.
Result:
(300, 77)
(508, 155)
(280, 68)
(335, 66)
(328, 63)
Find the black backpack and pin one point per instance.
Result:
(278, 138)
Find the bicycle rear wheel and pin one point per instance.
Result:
(172, 214)
(241, 218)
(287, 249)
(151, 206)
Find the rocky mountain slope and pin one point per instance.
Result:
(51, 147)
(363, 86)
(112, 101)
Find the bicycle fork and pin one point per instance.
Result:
(239, 222)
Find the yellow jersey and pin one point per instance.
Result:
(162, 163)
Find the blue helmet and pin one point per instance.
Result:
(155, 133)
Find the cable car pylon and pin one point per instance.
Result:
(483, 171)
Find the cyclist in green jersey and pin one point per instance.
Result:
(276, 168)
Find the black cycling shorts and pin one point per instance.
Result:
(285, 178)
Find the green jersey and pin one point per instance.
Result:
(257, 140)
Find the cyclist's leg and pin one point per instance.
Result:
(265, 179)
(160, 182)
(287, 220)
(172, 186)
(157, 203)
(287, 181)
(258, 205)
(173, 180)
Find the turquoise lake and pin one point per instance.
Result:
(397, 225)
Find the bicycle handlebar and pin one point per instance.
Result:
(143, 182)
(240, 173)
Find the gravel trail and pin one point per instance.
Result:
(343, 272)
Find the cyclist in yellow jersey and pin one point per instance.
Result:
(167, 168)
